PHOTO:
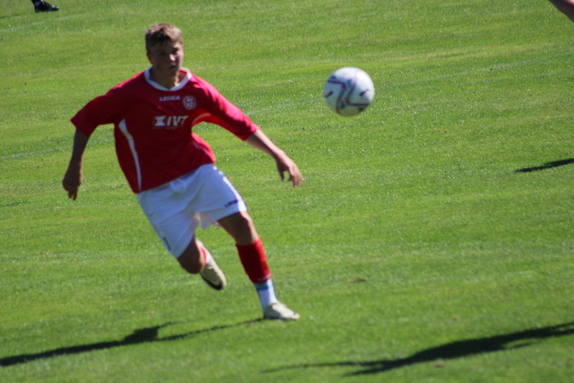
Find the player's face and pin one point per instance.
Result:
(167, 58)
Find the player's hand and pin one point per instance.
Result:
(72, 181)
(286, 164)
(260, 141)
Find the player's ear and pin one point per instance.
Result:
(148, 56)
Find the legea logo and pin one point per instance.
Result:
(169, 122)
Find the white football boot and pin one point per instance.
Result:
(212, 274)
(277, 310)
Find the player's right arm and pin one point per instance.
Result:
(74, 176)
(101, 110)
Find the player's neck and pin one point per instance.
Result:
(167, 81)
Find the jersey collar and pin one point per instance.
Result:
(181, 84)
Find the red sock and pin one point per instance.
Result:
(254, 261)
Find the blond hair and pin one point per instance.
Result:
(158, 34)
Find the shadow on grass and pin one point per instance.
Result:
(547, 165)
(449, 351)
(144, 335)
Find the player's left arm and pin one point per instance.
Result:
(230, 117)
(259, 140)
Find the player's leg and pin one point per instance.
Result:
(217, 201)
(169, 209)
(192, 260)
(241, 227)
(254, 260)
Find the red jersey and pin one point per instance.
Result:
(153, 126)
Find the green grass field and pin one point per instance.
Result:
(431, 242)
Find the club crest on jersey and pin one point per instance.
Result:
(189, 102)
(169, 122)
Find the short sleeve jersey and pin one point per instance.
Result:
(153, 126)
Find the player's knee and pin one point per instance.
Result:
(244, 222)
(240, 226)
(244, 228)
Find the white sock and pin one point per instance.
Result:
(266, 293)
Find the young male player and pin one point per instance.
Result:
(172, 170)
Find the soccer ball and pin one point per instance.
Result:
(349, 91)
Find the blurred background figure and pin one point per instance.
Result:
(43, 6)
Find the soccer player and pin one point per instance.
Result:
(172, 170)
(43, 6)
(565, 6)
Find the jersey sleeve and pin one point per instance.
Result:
(101, 110)
(225, 114)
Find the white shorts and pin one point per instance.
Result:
(176, 209)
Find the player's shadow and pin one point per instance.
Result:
(450, 351)
(144, 335)
(548, 165)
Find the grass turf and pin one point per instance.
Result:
(431, 241)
